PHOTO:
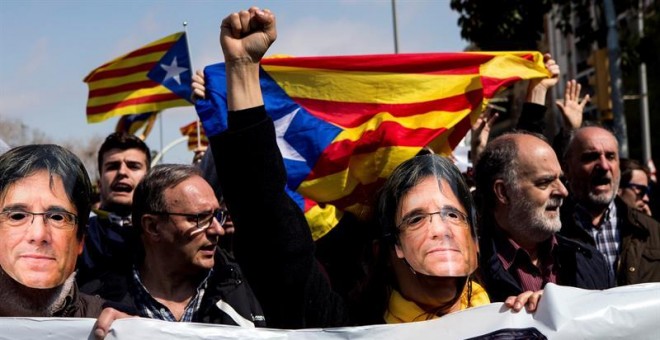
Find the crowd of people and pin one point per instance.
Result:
(568, 212)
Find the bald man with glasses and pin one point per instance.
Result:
(183, 274)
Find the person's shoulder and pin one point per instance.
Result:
(574, 245)
(89, 306)
(225, 268)
(637, 218)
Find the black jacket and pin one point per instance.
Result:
(226, 284)
(79, 305)
(273, 243)
(578, 265)
(108, 256)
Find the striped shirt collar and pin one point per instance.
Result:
(151, 308)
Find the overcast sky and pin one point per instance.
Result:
(47, 47)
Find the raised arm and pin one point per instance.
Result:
(245, 37)
(532, 117)
(572, 107)
(272, 242)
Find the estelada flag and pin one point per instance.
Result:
(190, 130)
(133, 123)
(344, 123)
(152, 78)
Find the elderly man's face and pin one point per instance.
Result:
(35, 253)
(593, 167)
(537, 193)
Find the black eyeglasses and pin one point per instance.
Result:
(56, 219)
(202, 220)
(639, 189)
(449, 215)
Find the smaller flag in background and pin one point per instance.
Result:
(152, 78)
(190, 130)
(133, 123)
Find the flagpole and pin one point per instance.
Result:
(199, 136)
(396, 34)
(160, 124)
(192, 72)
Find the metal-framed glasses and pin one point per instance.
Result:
(639, 189)
(203, 220)
(449, 215)
(53, 218)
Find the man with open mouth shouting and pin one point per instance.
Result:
(111, 243)
(629, 239)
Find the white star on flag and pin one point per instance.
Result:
(173, 71)
(281, 126)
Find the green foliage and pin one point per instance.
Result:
(501, 25)
(519, 24)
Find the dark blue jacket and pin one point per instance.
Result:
(578, 265)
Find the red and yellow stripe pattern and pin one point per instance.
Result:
(121, 86)
(389, 107)
(190, 130)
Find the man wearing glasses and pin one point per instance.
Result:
(183, 274)
(44, 206)
(634, 189)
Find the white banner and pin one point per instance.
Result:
(630, 312)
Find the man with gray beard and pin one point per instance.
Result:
(520, 193)
(629, 239)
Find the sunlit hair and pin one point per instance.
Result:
(24, 161)
(499, 160)
(123, 141)
(565, 150)
(148, 195)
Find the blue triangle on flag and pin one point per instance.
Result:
(177, 61)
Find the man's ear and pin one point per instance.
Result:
(398, 250)
(81, 244)
(150, 226)
(499, 189)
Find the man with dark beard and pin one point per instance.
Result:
(629, 239)
(520, 193)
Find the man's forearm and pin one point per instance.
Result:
(243, 89)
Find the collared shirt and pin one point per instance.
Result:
(150, 308)
(401, 310)
(606, 234)
(518, 263)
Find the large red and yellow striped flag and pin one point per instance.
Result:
(344, 123)
(191, 131)
(152, 78)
